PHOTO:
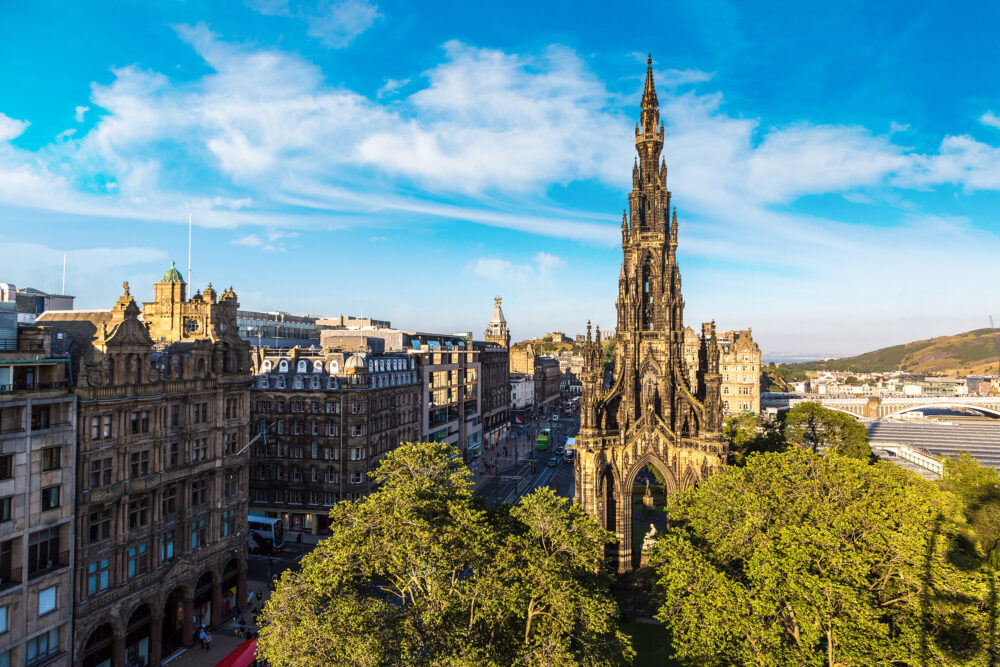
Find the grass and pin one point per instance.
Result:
(651, 644)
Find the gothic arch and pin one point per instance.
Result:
(689, 478)
(649, 458)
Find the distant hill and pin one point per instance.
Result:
(969, 353)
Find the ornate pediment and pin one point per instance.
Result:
(130, 332)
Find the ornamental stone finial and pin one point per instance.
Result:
(125, 287)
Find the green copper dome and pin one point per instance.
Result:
(172, 275)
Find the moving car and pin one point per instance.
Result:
(560, 450)
(553, 462)
(569, 456)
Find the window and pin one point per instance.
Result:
(357, 453)
(41, 417)
(314, 474)
(228, 522)
(95, 428)
(281, 406)
(199, 534)
(98, 576)
(199, 492)
(175, 415)
(332, 408)
(168, 503)
(329, 498)
(138, 560)
(100, 472)
(50, 458)
(106, 423)
(50, 498)
(296, 474)
(5, 508)
(280, 473)
(229, 444)
(199, 449)
(356, 478)
(314, 427)
(167, 546)
(99, 526)
(6, 466)
(4, 616)
(41, 647)
(331, 475)
(138, 513)
(174, 453)
(331, 429)
(140, 422)
(46, 600)
(357, 430)
(229, 485)
(139, 463)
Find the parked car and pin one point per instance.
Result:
(553, 462)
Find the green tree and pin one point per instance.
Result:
(798, 559)
(420, 573)
(979, 488)
(749, 434)
(811, 426)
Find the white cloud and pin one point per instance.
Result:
(337, 23)
(673, 78)
(391, 86)
(11, 128)
(80, 111)
(991, 119)
(250, 240)
(494, 269)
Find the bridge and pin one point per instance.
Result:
(874, 408)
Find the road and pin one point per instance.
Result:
(518, 467)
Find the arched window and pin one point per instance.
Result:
(266, 366)
(297, 384)
(303, 366)
(283, 366)
(315, 382)
(647, 297)
(317, 366)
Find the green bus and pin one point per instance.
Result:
(543, 440)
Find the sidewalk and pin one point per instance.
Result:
(224, 638)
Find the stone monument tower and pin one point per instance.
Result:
(646, 411)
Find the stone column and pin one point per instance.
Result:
(155, 640)
(241, 586)
(118, 656)
(188, 625)
(216, 605)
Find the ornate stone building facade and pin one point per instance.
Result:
(37, 483)
(494, 361)
(651, 414)
(740, 366)
(163, 408)
(330, 417)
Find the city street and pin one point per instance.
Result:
(517, 467)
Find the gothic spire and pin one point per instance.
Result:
(650, 105)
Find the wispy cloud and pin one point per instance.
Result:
(505, 272)
(991, 119)
(11, 128)
(335, 23)
(80, 112)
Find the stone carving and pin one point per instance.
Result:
(650, 539)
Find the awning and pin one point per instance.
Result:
(241, 656)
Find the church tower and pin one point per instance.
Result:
(646, 411)
(497, 332)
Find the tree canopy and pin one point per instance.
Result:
(811, 426)
(808, 560)
(419, 572)
(749, 434)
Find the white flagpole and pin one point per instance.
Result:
(189, 249)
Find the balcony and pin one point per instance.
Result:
(27, 385)
(60, 560)
(10, 578)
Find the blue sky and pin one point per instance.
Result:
(836, 167)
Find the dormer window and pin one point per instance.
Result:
(334, 367)
(266, 366)
(262, 382)
(317, 366)
(297, 383)
(303, 366)
(283, 366)
(281, 382)
(315, 382)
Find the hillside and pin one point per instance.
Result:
(969, 353)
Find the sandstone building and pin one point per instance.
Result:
(740, 366)
(494, 359)
(652, 414)
(162, 424)
(329, 417)
(37, 485)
